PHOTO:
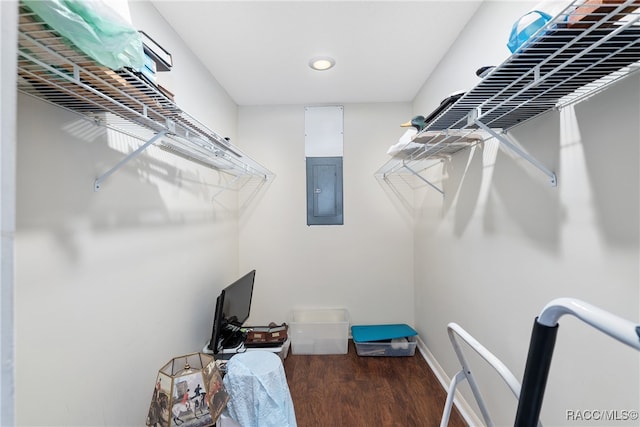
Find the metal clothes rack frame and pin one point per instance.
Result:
(50, 68)
(456, 332)
(530, 394)
(560, 64)
(542, 344)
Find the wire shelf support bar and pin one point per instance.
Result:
(98, 182)
(553, 180)
(429, 183)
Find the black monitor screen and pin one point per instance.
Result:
(218, 324)
(237, 299)
(232, 310)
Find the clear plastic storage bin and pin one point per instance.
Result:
(320, 331)
(390, 348)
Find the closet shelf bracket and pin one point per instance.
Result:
(519, 151)
(107, 174)
(432, 185)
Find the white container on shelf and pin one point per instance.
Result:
(319, 331)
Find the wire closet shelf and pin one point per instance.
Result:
(50, 68)
(576, 54)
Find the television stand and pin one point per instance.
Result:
(227, 353)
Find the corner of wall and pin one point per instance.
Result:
(8, 18)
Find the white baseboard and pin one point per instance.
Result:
(460, 403)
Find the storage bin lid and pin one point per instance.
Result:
(364, 333)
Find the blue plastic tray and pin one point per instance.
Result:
(366, 333)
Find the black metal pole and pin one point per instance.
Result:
(536, 372)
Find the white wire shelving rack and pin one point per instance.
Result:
(50, 68)
(564, 62)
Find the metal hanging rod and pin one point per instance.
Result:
(504, 140)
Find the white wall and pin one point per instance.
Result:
(8, 39)
(503, 243)
(112, 285)
(365, 265)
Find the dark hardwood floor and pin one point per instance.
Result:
(353, 391)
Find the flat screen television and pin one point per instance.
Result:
(233, 306)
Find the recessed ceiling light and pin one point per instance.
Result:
(322, 63)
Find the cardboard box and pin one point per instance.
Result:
(165, 92)
(592, 11)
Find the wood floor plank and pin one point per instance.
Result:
(353, 391)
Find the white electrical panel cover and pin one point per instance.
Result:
(323, 131)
